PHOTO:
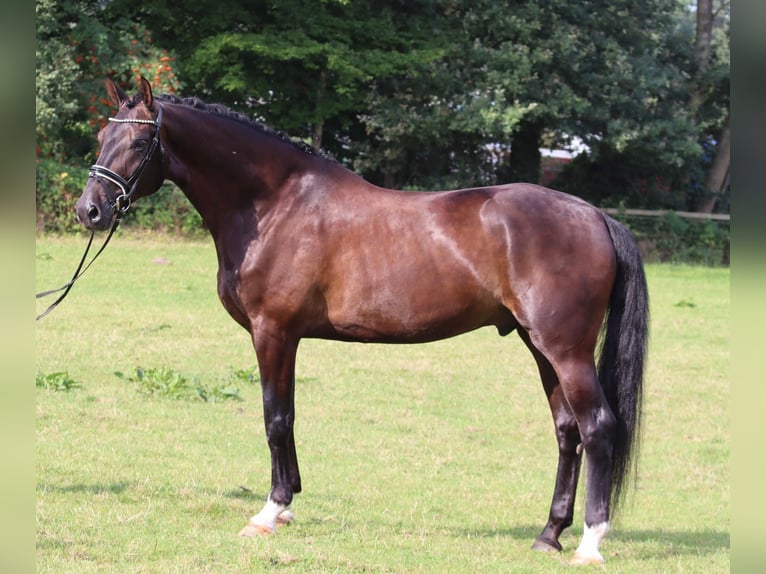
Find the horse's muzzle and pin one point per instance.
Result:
(94, 214)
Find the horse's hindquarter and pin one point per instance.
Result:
(561, 264)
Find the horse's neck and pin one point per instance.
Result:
(226, 170)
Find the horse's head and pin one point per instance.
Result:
(130, 163)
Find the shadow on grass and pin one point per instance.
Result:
(116, 488)
(243, 493)
(672, 542)
(681, 542)
(661, 542)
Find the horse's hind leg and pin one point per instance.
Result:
(570, 455)
(598, 426)
(580, 387)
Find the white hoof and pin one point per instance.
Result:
(587, 552)
(580, 560)
(285, 518)
(266, 521)
(253, 530)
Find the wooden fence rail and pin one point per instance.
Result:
(660, 213)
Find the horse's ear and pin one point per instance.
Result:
(146, 93)
(116, 94)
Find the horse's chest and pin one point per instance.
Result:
(229, 294)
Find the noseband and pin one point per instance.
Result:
(121, 203)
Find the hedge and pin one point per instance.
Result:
(662, 239)
(59, 186)
(673, 239)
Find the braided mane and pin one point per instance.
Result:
(223, 111)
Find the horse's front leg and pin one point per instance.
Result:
(276, 362)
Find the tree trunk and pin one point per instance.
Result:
(316, 136)
(525, 158)
(715, 179)
(318, 127)
(703, 43)
(702, 50)
(717, 174)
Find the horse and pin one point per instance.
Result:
(308, 249)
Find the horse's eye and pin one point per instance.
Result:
(138, 144)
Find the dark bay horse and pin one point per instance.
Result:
(307, 248)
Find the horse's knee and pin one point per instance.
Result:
(278, 429)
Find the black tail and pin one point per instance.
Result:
(623, 351)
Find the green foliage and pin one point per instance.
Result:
(59, 185)
(609, 178)
(304, 65)
(249, 376)
(217, 394)
(79, 44)
(58, 381)
(167, 382)
(169, 211)
(673, 239)
(432, 94)
(56, 74)
(57, 188)
(159, 381)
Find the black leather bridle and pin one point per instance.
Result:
(120, 204)
(128, 186)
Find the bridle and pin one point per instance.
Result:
(120, 204)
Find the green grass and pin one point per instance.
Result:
(424, 458)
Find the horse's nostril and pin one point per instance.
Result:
(93, 213)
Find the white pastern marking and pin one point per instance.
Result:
(268, 515)
(591, 538)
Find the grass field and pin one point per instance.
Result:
(425, 458)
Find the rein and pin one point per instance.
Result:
(77, 274)
(120, 205)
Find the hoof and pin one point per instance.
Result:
(285, 518)
(252, 530)
(543, 545)
(581, 560)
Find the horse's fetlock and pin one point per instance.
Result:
(281, 495)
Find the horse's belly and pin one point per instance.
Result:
(417, 277)
(405, 318)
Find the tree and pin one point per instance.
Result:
(446, 121)
(424, 93)
(607, 72)
(299, 65)
(79, 44)
(709, 90)
(57, 73)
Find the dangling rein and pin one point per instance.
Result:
(77, 274)
(121, 206)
